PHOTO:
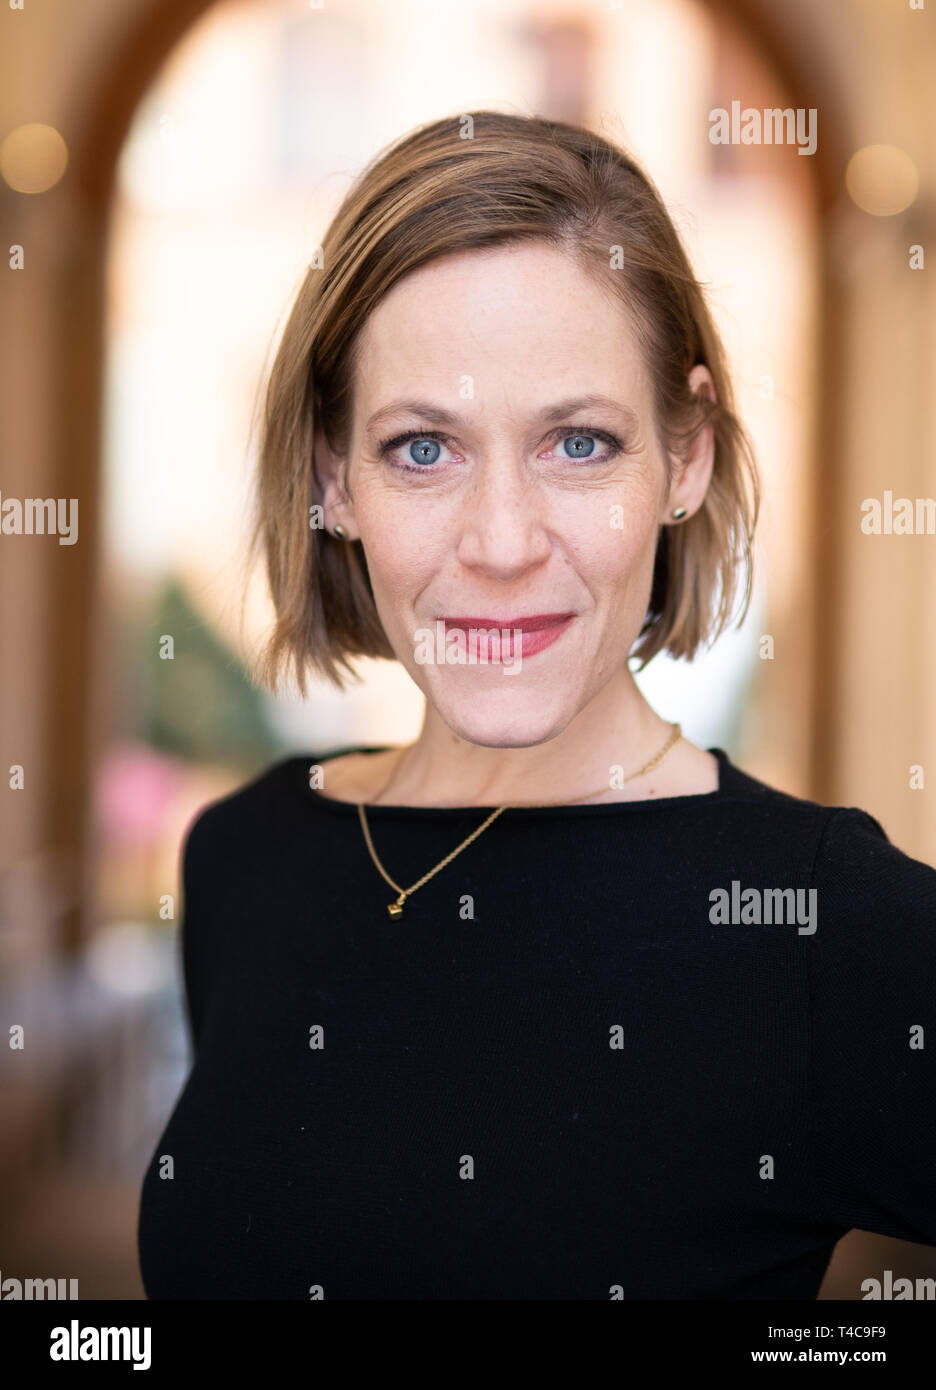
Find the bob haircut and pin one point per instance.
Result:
(459, 184)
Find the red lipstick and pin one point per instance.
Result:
(538, 631)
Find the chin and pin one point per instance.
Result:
(501, 718)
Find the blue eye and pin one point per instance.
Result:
(424, 451)
(582, 445)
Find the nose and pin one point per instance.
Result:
(503, 526)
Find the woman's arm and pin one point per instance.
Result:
(871, 966)
(196, 859)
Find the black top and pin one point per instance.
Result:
(572, 1069)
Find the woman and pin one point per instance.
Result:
(552, 1004)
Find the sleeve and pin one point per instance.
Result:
(871, 966)
(193, 926)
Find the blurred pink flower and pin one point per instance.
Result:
(135, 786)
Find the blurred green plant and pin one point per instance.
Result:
(200, 705)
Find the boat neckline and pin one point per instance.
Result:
(330, 803)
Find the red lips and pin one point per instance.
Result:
(534, 623)
(537, 632)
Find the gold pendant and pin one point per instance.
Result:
(395, 909)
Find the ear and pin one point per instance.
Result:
(330, 469)
(692, 470)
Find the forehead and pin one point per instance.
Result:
(520, 322)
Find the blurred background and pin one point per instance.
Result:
(167, 169)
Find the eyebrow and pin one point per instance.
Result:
(549, 415)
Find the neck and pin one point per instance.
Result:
(616, 728)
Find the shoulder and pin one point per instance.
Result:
(764, 821)
(846, 849)
(250, 813)
(889, 897)
(870, 968)
(740, 787)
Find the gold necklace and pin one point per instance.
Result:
(396, 909)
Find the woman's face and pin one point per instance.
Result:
(503, 467)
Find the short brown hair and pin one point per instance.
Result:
(467, 183)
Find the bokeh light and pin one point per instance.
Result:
(33, 158)
(882, 180)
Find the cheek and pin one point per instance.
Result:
(621, 554)
(620, 517)
(403, 553)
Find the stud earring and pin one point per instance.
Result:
(340, 532)
(679, 513)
